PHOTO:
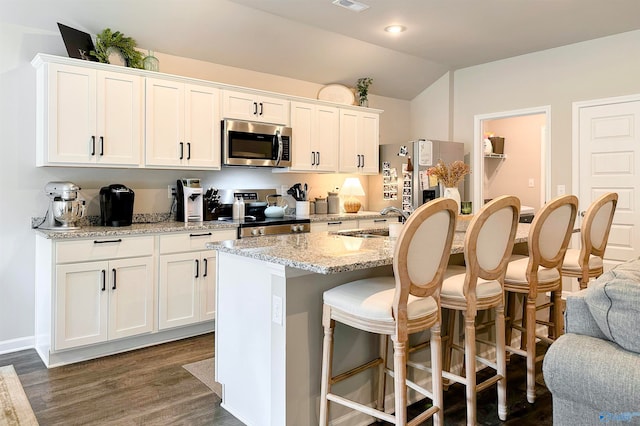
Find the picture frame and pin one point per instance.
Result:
(78, 43)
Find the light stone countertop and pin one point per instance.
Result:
(134, 229)
(327, 252)
(164, 226)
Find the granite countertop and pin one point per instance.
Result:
(134, 229)
(163, 226)
(328, 252)
(350, 216)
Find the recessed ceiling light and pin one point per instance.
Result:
(395, 29)
(352, 5)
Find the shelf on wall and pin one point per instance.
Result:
(498, 156)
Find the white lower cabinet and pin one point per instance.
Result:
(187, 278)
(339, 225)
(186, 288)
(100, 301)
(97, 290)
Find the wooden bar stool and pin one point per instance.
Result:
(587, 262)
(537, 273)
(479, 286)
(395, 306)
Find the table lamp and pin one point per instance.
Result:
(351, 188)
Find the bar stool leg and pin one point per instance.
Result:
(400, 377)
(558, 317)
(501, 363)
(470, 365)
(327, 362)
(448, 347)
(436, 373)
(381, 371)
(531, 349)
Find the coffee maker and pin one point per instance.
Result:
(189, 197)
(65, 209)
(116, 205)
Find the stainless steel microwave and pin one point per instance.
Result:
(247, 143)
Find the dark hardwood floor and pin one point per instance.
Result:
(142, 387)
(150, 387)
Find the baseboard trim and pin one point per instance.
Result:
(16, 345)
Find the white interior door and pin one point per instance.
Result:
(609, 161)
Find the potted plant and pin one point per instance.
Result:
(362, 88)
(450, 176)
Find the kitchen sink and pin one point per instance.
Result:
(365, 233)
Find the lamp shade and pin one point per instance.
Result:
(351, 188)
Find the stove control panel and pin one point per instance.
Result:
(279, 229)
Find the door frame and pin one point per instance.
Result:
(575, 133)
(545, 150)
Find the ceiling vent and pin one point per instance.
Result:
(353, 6)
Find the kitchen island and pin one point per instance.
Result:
(268, 340)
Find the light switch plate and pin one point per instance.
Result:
(561, 190)
(276, 309)
(531, 183)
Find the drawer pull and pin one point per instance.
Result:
(114, 279)
(119, 240)
(208, 234)
(379, 220)
(334, 223)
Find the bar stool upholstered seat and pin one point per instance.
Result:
(478, 286)
(395, 306)
(538, 273)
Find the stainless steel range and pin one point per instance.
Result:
(255, 223)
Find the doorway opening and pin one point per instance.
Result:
(522, 166)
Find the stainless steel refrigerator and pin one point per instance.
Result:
(404, 170)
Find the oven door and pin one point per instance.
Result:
(255, 144)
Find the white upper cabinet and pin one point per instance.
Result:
(88, 116)
(359, 142)
(254, 107)
(316, 134)
(182, 125)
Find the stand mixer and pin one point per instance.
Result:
(65, 209)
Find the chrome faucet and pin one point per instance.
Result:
(388, 209)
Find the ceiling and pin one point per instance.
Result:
(316, 41)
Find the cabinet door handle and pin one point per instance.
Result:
(119, 240)
(313, 158)
(114, 278)
(255, 108)
(93, 145)
(181, 150)
(197, 268)
(206, 267)
(101, 145)
(362, 160)
(318, 159)
(104, 280)
(261, 108)
(200, 235)
(188, 150)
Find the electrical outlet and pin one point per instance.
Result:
(276, 309)
(171, 191)
(561, 190)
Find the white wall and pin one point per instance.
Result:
(23, 183)
(558, 77)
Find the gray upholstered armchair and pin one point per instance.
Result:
(593, 371)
